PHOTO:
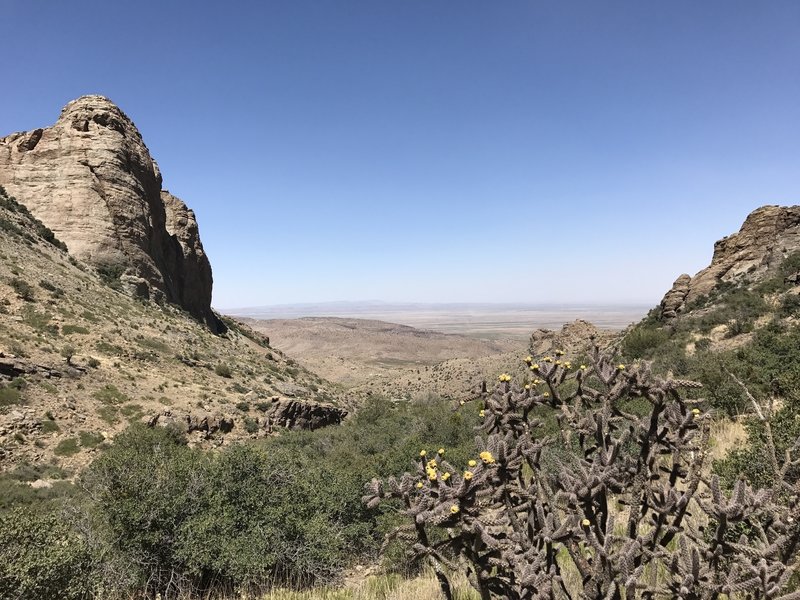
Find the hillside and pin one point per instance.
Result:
(81, 359)
(738, 316)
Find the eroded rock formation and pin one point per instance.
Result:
(90, 178)
(767, 237)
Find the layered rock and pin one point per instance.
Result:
(90, 178)
(574, 338)
(767, 237)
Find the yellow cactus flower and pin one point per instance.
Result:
(527, 386)
(482, 413)
(467, 475)
(432, 475)
(423, 453)
(487, 457)
(419, 485)
(432, 464)
(546, 394)
(695, 411)
(440, 451)
(559, 353)
(583, 367)
(621, 367)
(529, 359)
(586, 522)
(548, 359)
(567, 365)
(472, 463)
(535, 367)
(445, 476)
(454, 509)
(461, 403)
(558, 362)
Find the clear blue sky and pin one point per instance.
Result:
(432, 150)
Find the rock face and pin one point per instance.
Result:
(91, 179)
(574, 338)
(767, 237)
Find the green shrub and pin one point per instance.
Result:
(23, 289)
(42, 557)
(90, 439)
(223, 370)
(70, 329)
(109, 394)
(9, 395)
(67, 447)
(49, 426)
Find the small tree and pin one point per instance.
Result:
(615, 504)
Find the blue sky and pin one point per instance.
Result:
(437, 151)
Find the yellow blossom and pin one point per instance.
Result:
(529, 359)
(482, 413)
(431, 474)
(527, 386)
(695, 411)
(454, 509)
(467, 475)
(621, 367)
(432, 464)
(419, 485)
(547, 359)
(586, 522)
(535, 367)
(558, 362)
(559, 353)
(487, 457)
(423, 453)
(472, 463)
(583, 367)
(461, 403)
(440, 452)
(567, 365)
(546, 394)
(445, 476)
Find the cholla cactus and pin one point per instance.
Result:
(628, 511)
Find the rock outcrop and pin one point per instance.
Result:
(767, 237)
(91, 180)
(276, 413)
(574, 338)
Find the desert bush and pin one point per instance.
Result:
(23, 289)
(223, 370)
(641, 341)
(42, 557)
(630, 514)
(67, 447)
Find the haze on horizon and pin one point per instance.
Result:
(515, 152)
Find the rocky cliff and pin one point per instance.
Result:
(767, 237)
(90, 178)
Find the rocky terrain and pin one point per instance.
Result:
(91, 180)
(370, 357)
(107, 320)
(768, 236)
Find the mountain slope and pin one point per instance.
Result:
(80, 359)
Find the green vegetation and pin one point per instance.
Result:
(70, 329)
(223, 370)
(109, 394)
(67, 447)
(10, 203)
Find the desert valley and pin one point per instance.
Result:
(122, 384)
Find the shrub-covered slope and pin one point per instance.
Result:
(81, 359)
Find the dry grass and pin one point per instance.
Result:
(382, 587)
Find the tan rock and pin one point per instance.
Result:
(767, 237)
(90, 178)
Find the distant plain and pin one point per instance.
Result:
(484, 321)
